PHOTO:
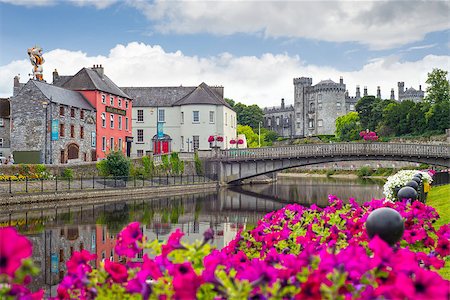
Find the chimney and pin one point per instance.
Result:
(55, 76)
(16, 85)
(378, 92)
(365, 91)
(358, 92)
(217, 89)
(420, 87)
(282, 103)
(341, 80)
(99, 70)
(392, 94)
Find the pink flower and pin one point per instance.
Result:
(240, 141)
(185, 281)
(13, 249)
(80, 260)
(443, 247)
(429, 285)
(117, 271)
(151, 268)
(211, 139)
(128, 239)
(219, 139)
(413, 236)
(173, 242)
(232, 142)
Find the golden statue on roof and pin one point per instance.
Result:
(36, 59)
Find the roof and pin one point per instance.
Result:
(4, 108)
(88, 79)
(61, 80)
(156, 96)
(328, 81)
(202, 95)
(63, 96)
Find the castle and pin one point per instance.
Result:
(316, 107)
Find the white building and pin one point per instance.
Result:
(187, 117)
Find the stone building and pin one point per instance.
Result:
(315, 108)
(5, 140)
(409, 93)
(50, 124)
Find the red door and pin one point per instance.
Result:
(165, 147)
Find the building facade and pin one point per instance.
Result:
(50, 124)
(179, 118)
(409, 93)
(5, 135)
(113, 108)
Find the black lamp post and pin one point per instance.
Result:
(387, 223)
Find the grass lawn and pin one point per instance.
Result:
(439, 198)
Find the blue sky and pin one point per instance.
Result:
(244, 46)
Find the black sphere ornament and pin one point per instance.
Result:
(417, 179)
(412, 184)
(407, 192)
(418, 175)
(387, 223)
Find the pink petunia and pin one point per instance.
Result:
(13, 249)
(117, 271)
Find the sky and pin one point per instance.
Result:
(252, 48)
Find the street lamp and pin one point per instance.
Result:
(45, 105)
(259, 134)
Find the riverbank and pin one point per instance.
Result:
(317, 175)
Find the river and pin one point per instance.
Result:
(56, 234)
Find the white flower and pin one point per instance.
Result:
(399, 180)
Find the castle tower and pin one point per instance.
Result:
(341, 80)
(300, 104)
(282, 103)
(401, 89)
(358, 92)
(392, 94)
(365, 91)
(378, 92)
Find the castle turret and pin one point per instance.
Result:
(282, 103)
(401, 89)
(378, 92)
(365, 91)
(358, 92)
(55, 76)
(341, 80)
(392, 94)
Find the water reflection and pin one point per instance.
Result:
(58, 232)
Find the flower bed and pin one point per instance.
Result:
(399, 180)
(295, 252)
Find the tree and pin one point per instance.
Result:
(247, 115)
(230, 102)
(364, 108)
(117, 164)
(348, 127)
(438, 90)
(438, 116)
(251, 137)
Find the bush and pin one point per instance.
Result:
(117, 164)
(364, 171)
(330, 172)
(198, 164)
(102, 168)
(176, 165)
(149, 165)
(67, 173)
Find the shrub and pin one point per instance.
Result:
(364, 171)
(198, 164)
(330, 172)
(102, 168)
(149, 165)
(67, 173)
(117, 164)
(176, 165)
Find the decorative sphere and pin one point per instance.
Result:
(417, 179)
(407, 192)
(387, 223)
(412, 184)
(418, 175)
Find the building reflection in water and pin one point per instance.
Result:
(58, 232)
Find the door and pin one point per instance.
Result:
(165, 147)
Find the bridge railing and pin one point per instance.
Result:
(338, 149)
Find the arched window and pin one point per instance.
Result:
(311, 107)
(73, 151)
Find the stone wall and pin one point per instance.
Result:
(5, 135)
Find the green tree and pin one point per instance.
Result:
(117, 164)
(438, 89)
(251, 137)
(364, 107)
(230, 102)
(250, 115)
(438, 117)
(348, 127)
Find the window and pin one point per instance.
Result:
(196, 116)
(299, 115)
(81, 132)
(226, 119)
(311, 107)
(299, 125)
(111, 143)
(61, 110)
(352, 107)
(140, 135)
(103, 119)
(140, 153)
(182, 143)
(119, 102)
(232, 122)
(278, 121)
(182, 117)
(1, 143)
(72, 112)
(119, 144)
(196, 139)
(126, 123)
(82, 114)
(319, 123)
(338, 105)
(269, 122)
(111, 255)
(119, 125)
(319, 98)
(140, 115)
(126, 104)
(211, 117)
(72, 131)
(111, 100)
(161, 115)
(103, 99)
(311, 123)
(111, 121)
(103, 143)
(61, 130)
(319, 106)
(1, 122)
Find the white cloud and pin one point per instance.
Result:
(99, 4)
(379, 24)
(29, 3)
(263, 80)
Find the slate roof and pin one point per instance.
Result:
(62, 95)
(87, 80)
(62, 80)
(4, 108)
(156, 96)
(328, 81)
(202, 95)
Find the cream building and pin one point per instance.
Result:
(185, 116)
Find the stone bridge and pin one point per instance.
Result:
(235, 165)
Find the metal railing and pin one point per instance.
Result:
(59, 184)
(337, 149)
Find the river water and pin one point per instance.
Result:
(56, 234)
